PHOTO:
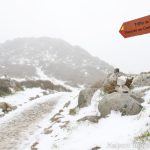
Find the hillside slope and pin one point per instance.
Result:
(23, 57)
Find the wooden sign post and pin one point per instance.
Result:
(135, 27)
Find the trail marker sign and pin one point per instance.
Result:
(135, 27)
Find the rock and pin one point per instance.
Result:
(6, 107)
(142, 80)
(56, 117)
(5, 83)
(129, 82)
(122, 102)
(8, 86)
(33, 147)
(85, 97)
(137, 98)
(65, 123)
(47, 131)
(61, 110)
(122, 89)
(117, 81)
(96, 148)
(3, 106)
(110, 83)
(33, 98)
(45, 93)
(93, 119)
(67, 104)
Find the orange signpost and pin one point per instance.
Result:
(135, 27)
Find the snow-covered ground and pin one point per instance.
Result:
(25, 121)
(48, 123)
(113, 132)
(22, 97)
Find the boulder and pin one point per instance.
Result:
(6, 107)
(129, 82)
(110, 83)
(85, 97)
(122, 102)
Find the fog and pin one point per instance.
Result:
(92, 24)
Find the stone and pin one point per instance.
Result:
(129, 82)
(122, 102)
(137, 98)
(142, 79)
(93, 119)
(110, 83)
(96, 148)
(85, 97)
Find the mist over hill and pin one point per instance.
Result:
(24, 57)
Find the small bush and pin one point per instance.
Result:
(144, 136)
(72, 111)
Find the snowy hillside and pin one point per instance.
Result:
(23, 57)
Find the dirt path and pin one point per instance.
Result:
(15, 129)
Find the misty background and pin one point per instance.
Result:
(94, 25)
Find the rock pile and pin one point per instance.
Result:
(117, 95)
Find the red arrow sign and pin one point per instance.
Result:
(136, 27)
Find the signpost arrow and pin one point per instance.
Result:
(135, 27)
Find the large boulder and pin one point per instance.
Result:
(85, 97)
(122, 102)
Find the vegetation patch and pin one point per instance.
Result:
(143, 137)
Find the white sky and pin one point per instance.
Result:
(92, 24)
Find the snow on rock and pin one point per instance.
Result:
(93, 108)
(121, 80)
